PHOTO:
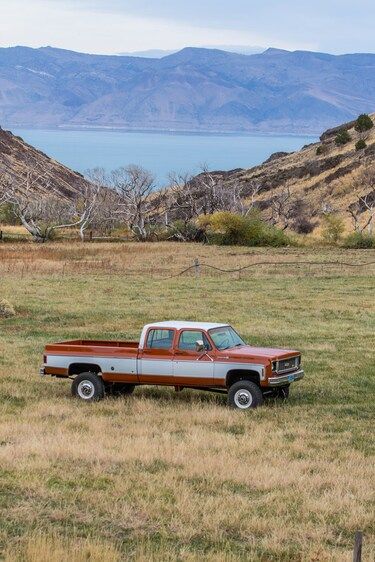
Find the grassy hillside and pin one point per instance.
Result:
(166, 476)
(318, 176)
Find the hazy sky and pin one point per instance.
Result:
(113, 26)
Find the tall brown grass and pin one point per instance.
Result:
(177, 476)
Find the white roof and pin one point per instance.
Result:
(179, 324)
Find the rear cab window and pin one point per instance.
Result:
(160, 339)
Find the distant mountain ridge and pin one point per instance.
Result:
(160, 53)
(191, 90)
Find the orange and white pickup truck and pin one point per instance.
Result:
(199, 355)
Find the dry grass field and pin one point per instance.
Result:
(166, 476)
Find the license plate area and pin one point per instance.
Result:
(290, 378)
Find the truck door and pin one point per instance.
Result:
(155, 364)
(192, 367)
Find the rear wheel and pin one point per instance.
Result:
(244, 395)
(88, 386)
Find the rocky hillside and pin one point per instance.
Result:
(192, 90)
(320, 178)
(18, 160)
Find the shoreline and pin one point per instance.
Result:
(170, 132)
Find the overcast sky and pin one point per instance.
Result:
(114, 26)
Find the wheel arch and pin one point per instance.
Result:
(77, 368)
(235, 375)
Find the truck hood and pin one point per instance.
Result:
(250, 352)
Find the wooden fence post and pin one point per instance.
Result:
(357, 554)
(197, 268)
(90, 237)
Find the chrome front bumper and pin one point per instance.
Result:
(282, 380)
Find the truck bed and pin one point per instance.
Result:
(92, 347)
(99, 343)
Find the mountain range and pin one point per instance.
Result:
(160, 53)
(191, 90)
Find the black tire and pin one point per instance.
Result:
(119, 388)
(250, 397)
(282, 392)
(88, 387)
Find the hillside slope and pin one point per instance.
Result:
(18, 159)
(192, 90)
(328, 181)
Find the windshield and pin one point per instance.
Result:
(225, 337)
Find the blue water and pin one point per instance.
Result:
(161, 153)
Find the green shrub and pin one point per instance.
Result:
(332, 229)
(360, 145)
(225, 228)
(364, 123)
(272, 236)
(322, 149)
(359, 241)
(342, 138)
(7, 215)
(228, 229)
(6, 309)
(181, 231)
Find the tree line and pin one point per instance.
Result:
(209, 206)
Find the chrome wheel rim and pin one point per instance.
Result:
(86, 390)
(243, 399)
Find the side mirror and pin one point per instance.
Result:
(199, 345)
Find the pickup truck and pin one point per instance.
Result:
(198, 355)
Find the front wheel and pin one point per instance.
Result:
(244, 395)
(88, 386)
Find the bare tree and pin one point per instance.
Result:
(42, 209)
(183, 202)
(282, 207)
(105, 213)
(250, 192)
(189, 197)
(363, 207)
(135, 187)
(362, 211)
(218, 193)
(3, 187)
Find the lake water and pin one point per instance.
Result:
(160, 153)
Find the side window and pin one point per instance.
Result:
(188, 339)
(160, 339)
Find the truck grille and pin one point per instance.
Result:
(290, 364)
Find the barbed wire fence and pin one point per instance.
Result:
(198, 267)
